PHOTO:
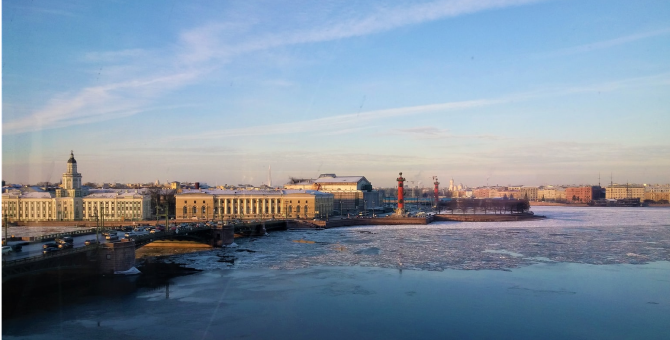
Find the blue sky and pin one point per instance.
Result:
(498, 91)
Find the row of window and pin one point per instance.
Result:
(249, 210)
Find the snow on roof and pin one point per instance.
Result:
(114, 193)
(119, 191)
(35, 194)
(252, 192)
(340, 179)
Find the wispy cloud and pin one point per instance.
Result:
(43, 10)
(212, 40)
(340, 123)
(345, 123)
(212, 45)
(98, 103)
(431, 132)
(116, 56)
(599, 45)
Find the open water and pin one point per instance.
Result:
(585, 273)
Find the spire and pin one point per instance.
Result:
(71, 160)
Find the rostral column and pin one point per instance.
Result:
(401, 200)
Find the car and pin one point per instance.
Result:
(65, 245)
(91, 242)
(16, 247)
(50, 245)
(65, 239)
(112, 237)
(109, 232)
(130, 234)
(49, 250)
(6, 249)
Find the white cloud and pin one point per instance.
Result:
(207, 46)
(599, 45)
(341, 124)
(98, 103)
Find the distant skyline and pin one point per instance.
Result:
(506, 91)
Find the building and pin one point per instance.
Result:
(618, 191)
(528, 193)
(252, 204)
(481, 192)
(582, 194)
(547, 193)
(70, 202)
(116, 205)
(657, 193)
(350, 193)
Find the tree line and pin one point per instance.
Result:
(485, 205)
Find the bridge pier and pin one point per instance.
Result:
(223, 236)
(116, 257)
(259, 230)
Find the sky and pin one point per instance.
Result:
(498, 92)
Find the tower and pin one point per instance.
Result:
(401, 200)
(71, 186)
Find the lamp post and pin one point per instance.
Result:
(373, 208)
(365, 206)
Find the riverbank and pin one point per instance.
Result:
(487, 217)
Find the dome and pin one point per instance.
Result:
(72, 160)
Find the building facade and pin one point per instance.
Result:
(116, 205)
(582, 194)
(618, 191)
(351, 194)
(252, 204)
(70, 202)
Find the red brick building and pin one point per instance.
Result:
(583, 194)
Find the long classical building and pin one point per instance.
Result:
(252, 204)
(72, 202)
(619, 191)
(350, 193)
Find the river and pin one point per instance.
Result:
(584, 273)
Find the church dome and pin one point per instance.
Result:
(72, 160)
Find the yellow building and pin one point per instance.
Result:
(72, 202)
(657, 196)
(624, 191)
(350, 193)
(252, 204)
(116, 205)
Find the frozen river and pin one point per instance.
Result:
(584, 273)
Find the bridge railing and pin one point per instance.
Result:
(35, 258)
(65, 252)
(59, 235)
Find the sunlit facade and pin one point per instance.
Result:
(252, 204)
(72, 202)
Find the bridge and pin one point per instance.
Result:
(119, 256)
(107, 258)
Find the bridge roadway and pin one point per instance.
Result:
(34, 251)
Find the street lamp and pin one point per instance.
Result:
(365, 206)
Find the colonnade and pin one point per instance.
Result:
(249, 206)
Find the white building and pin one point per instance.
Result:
(72, 202)
(350, 193)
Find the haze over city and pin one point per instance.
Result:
(498, 91)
